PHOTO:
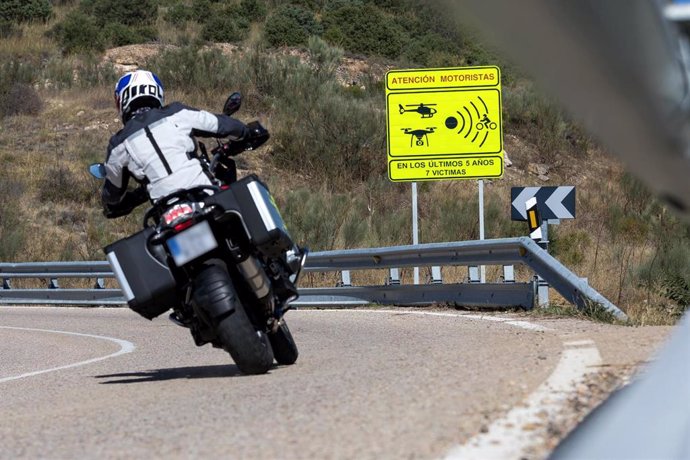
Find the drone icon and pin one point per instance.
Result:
(425, 110)
(420, 134)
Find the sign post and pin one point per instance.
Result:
(415, 227)
(482, 268)
(444, 124)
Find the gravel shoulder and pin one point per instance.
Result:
(625, 353)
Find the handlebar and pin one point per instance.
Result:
(256, 137)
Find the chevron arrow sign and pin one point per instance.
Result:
(553, 202)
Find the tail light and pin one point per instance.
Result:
(179, 216)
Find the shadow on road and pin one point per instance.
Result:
(156, 375)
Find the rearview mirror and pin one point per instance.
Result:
(97, 170)
(233, 103)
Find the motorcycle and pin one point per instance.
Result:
(220, 257)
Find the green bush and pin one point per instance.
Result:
(364, 29)
(431, 50)
(178, 14)
(97, 24)
(17, 94)
(79, 32)
(224, 28)
(221, 22)
(25, 10)
(252, 10)
(291, 25)
(127, 12)
(117, 34)
(206, 71)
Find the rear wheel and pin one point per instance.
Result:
(284, 346)
(248, 347)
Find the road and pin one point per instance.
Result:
(87, 383)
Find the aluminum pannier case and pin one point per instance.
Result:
(251, 198)
(147, 284)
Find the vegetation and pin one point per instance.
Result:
(20, 11)
(326, 159)
(291, 25)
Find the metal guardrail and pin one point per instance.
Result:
(465, 253)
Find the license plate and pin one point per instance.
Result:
(192, 243)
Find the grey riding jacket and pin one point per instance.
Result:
(157, 145)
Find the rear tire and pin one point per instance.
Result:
(284, 346)
(248, 347)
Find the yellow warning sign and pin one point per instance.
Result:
(444, 124)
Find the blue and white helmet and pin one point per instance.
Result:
(138, 89)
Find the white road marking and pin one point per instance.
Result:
(125, 347)
(498, 319)
(510, 436)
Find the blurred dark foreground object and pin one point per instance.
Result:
(620, 68)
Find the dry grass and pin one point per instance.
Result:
(176, 35)
(32, 42)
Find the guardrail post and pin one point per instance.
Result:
(100, 283)
(345, 278)
(436, 277)
(6, 283)
(473, 274)
(508, 274)
(542, 292)
(393, 277)
(53, 284)
(543, 286)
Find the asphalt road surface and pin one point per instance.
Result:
(105, 383)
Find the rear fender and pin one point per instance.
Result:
(214, 293)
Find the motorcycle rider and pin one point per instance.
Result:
(155, 145)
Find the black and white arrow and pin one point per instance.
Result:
(553, 202)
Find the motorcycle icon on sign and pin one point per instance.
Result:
(486, 123)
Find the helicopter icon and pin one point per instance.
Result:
(425, 110)
(422, 135)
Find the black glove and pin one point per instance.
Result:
(131, 200)
(257, 136)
